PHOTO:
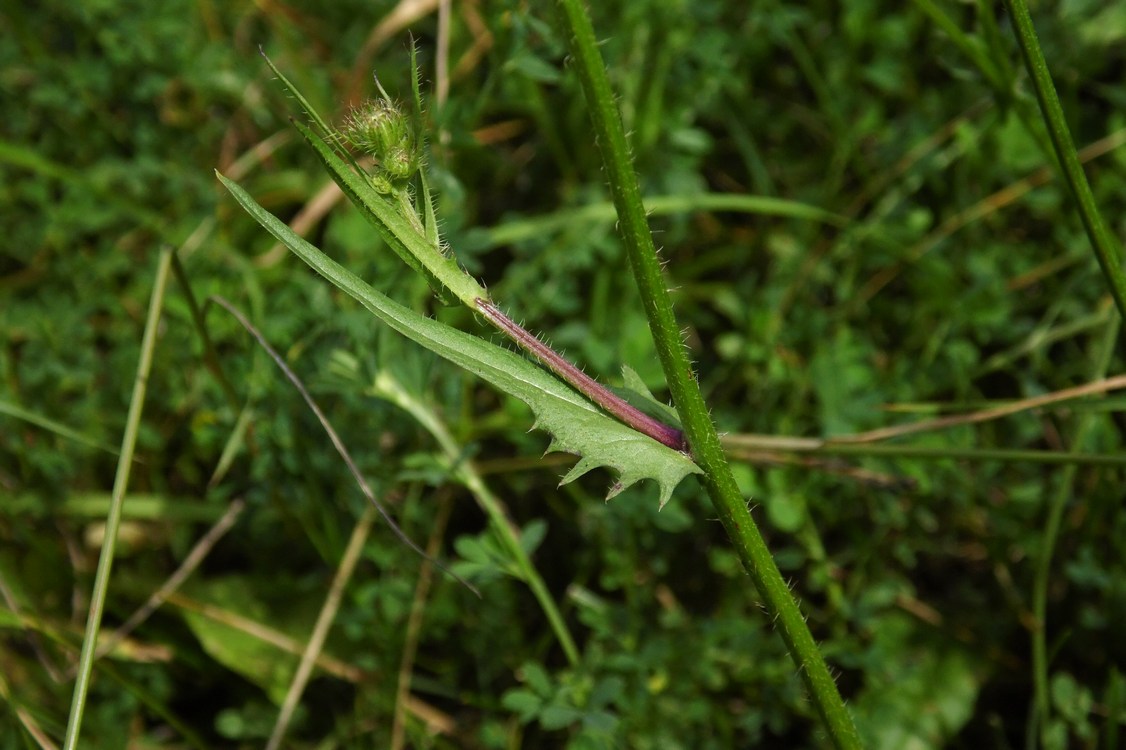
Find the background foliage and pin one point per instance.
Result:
(950, 282)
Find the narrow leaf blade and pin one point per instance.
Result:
(406, 239)
(575, 425)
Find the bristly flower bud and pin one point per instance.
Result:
(378, 127)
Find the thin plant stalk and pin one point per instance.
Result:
(698, 427)
(325, 618)
(1106, 248)
(120, 484)
(1109, 255)
(191, 562)
(51, 425)
(210, 356)
(998, 77)
(263, 633)
(333, 437)
(414, 624)
(747, 447)
(26, 718)
(609, 401)
(1051, 532)
(386, 386)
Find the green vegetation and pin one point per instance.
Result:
(900, 323)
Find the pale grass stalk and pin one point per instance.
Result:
(324, 621)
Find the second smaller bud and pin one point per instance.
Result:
(379, 128)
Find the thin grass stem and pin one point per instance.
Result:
(1052, 523)
(113, 519)
(388, 387)
(1106, 248)
(325, 618)
(334, 438)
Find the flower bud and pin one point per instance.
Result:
(379, 127)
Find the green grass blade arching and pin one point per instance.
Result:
(698, 426)
(50, 425)
(522, 228)
(575, 425)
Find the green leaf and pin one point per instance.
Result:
(531, 536)
(918, 694)
(557, 717)
(637, 394)
(245, 653)
(296, 94)
(575, 425)
(523, 702)
(480, 560)
(388, 218)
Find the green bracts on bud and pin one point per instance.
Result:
(379, 128)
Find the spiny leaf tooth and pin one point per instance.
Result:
(582, 467)
(558, 446)
(627, 477)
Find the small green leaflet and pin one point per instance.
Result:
(575, 425)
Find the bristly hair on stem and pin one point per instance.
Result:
(588, 386)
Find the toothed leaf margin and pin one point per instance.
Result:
(575, 425)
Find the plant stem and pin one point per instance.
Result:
(585, 384)
(1056, 507)
(113, 521)
(386, 386)
(701, 433)
(1105, 247)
